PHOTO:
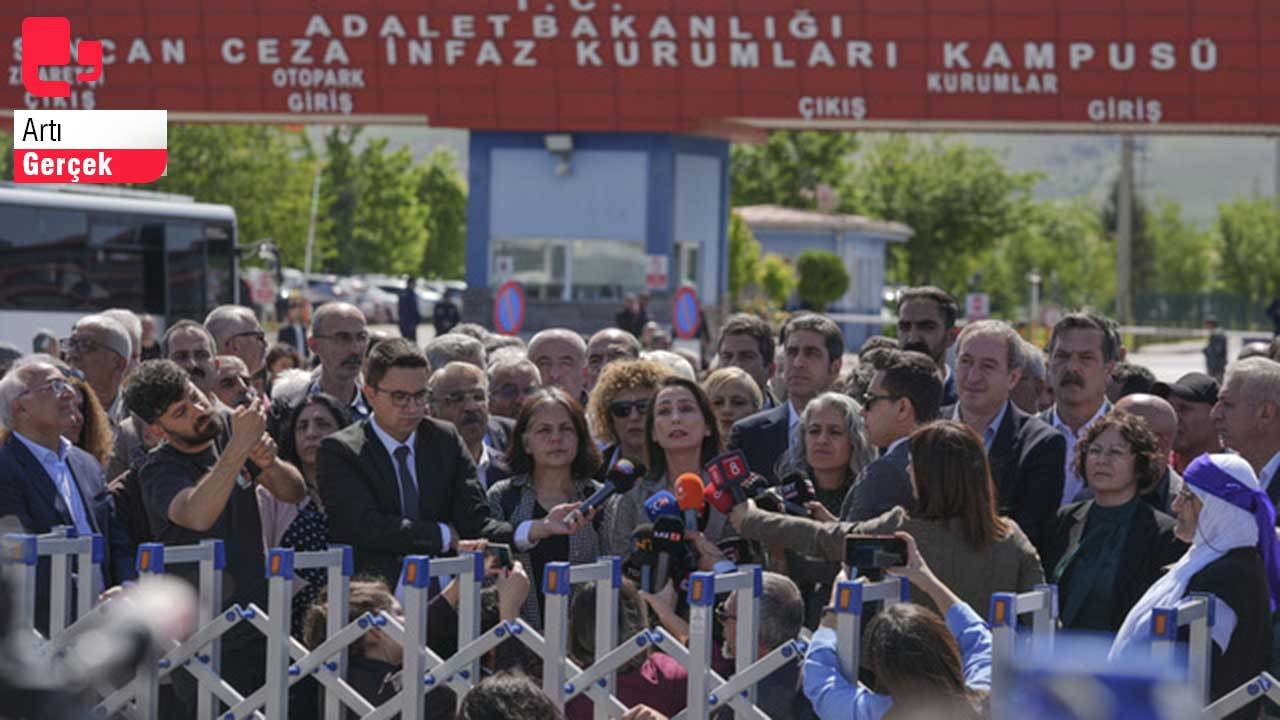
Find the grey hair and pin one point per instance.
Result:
(672, 362)
(1033, 364)
(1260, 380)
(781, 611)
(454, 347)
(289, 387)
(184, 326)
(794, 459)
(564, 334)
(224, 319)
(117, 337)
(449, 370)
(131, 325)
(633, 343)
(995, 329)
(323, 312)
(12, 385)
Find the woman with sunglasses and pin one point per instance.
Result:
(734, 395)
(973, 549)
(617, 409)
(553, 458)
(682, 436)
(1104, 553)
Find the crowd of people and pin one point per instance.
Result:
(1000, 464)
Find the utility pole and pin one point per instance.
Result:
(311, 231)
(1124, 234)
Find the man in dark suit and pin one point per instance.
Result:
(927, 323)
(47, 481)
(458, 394)
(1026, 456)
(814, 352)
(293, 331)
(904, 394)
(399, 483)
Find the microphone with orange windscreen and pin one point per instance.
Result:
(690, 498)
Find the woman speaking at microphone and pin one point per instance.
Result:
(682, 436)
(553, 458)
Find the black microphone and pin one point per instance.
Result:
(620, 479)
(769, 498)
(797, 488)
(668, 543)
(639, 563)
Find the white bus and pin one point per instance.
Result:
(66, 254)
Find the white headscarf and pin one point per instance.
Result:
(1221, 527)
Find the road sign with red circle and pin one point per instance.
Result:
(685, 313)
(508, 309)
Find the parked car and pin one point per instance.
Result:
(427, 297)
(378, 305)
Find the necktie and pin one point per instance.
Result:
(408, 490)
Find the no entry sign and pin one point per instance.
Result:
(685, 313)
(508, 309)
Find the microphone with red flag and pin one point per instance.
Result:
(690, 498)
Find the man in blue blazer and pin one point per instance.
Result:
(47, 481)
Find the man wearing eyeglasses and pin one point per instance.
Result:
(512, 377)
(339, 337)
(458, 393)
(236, 330)
(45, 480)
(399, 483)
(100, 348)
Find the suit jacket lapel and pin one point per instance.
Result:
(383, 465)
(42, 483)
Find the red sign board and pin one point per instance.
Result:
(694, 65)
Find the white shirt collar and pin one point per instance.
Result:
(793, 417)
(42, 453)
(989, 434)
(1269, 471)
(1065, 428)
(894, 445)
(389, 442)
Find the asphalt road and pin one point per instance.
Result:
(1170, 361)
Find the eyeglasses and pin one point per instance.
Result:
(623, 408)
(1098, 452)
(723, 614)
(255, 334)
(869, 399)
(402, 398)
(459, 397)
(346, 338)
(509, 390)
(83, 345)
(59, 386)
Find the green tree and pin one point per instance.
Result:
(787, 168)
(959, 201)
(335, 225)
(6, 156)
(262, 171)
(1064, 244)
(1248, 230)
(1186, 253)
(823, 278)
(1143, 245)
(441, 190)
(777, 279)
(744, 258)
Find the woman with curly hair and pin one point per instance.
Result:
(617, 408)
(1104, 553)
(88, 428)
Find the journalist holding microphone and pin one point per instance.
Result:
(923, 667)
(553, 459)
(975, 551)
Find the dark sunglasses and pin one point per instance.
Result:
(622, 408)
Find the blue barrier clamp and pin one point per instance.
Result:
(556, 579)
(151, 558)
(416, 571)
(1211, 612)
(478, 570)
(1002, 606)
(1164, 623)
(24, 549)
(280, 563)
(757, 581)
(702, 589)
(219, 554)
(849, 598)
(99, 548)
(615, 572)
(904, 589)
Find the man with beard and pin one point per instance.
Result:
(236, 331)
(1082, 353)
(339, 337)
(234, 387)
(814, 351)
(201, 483)
(927, 324)
(459, 393)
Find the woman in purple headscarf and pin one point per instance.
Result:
(1234, 557)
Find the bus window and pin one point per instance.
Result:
(116, 261)
(184, 246)
(43, 259)
(220, 277)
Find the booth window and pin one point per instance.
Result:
(581, 269)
